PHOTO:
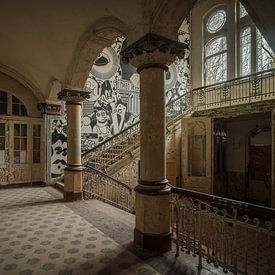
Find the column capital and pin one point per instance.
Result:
(49, 108)
(153, 50)
(73, 96)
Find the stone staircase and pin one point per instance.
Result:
(107, 154)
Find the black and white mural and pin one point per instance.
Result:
(114, 102)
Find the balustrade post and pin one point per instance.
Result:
(151, 55)
(73, 170)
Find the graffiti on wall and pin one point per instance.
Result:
(114, 102)
(58, 147)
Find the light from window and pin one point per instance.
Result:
(245, 51)
(3, 103)
(36, 143)
(216, 61)
(265, 55)
(20, 143)
(216, 21)
(18, 108)
(243, 11)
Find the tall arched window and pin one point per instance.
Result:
(215, 49)
(255, 53)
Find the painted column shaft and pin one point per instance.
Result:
(152, 124)
(74, 134)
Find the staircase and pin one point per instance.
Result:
(97, 161)
(114, 149)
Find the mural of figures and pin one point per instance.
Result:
(114, 102)
(59, 147)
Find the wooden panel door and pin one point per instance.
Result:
(197, 157)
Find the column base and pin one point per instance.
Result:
(70, 196)
(159, 243)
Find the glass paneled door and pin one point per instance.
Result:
(4, 154)
(21, 153)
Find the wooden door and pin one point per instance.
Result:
(197, 157)
(4, 152)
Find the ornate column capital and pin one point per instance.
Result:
(49, 108)
(73, 96)
(153, 50)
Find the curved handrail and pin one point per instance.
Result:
(110, 178)
(255, 209)
(232, 80)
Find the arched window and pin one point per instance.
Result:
(215, 49)
(11, 105)
(255, 53)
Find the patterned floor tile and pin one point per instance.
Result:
(40, 235)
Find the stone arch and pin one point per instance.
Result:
(25, 95)
(102, 34)
(24, 81)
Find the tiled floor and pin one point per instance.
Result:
(40, 234)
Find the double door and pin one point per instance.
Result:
(21, 150)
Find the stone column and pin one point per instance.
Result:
(73, 171)
(151, 55)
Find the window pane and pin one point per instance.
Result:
(23, 111)
(216, 69)
(245, 50)
(15, 109)
(216, 21)
(23, 156)
(3, 108)
(36, 143)
(23, 130)
(215, 46)
(2, 129)
(15, 99)
(36, 130)
(2, 143)
(16, 155)
(36, 156)
(243, 11)
(23, 143)
(265, 55)
(16, 130)
(3, 96)
(16, 143)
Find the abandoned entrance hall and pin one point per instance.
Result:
(137, 137)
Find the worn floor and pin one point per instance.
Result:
(40, 234)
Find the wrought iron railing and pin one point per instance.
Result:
(256, 87)
(236, 236)
(99, 185)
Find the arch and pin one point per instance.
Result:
(34, 89)
(24, 94)
(101, 34)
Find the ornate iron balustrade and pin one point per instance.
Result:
(113, 149)
(253, 88)
(236, 236)
(100, 186)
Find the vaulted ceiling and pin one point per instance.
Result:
(43, 41)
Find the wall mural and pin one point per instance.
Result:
(114, 102)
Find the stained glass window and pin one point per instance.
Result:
(216, 21)
(265, 55)
(245, 51)
(216, 61)
(243, 11)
